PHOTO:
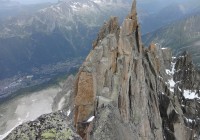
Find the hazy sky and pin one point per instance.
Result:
(139, 1)
(34, 1)
(41, 1)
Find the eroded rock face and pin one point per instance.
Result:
(187, 78)
(84, 101)
(130, 89)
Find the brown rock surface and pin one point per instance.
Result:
(127, 89)
(84, 100)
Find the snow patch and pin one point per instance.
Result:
(171, 84)
(189, 120)
(168, 71)
(90, 119)
(160, 77)
(85, 6)
(173, 68)
(61, 103)
(171, 73)
(97, 1)
(179, 89)
(188, 94)
(74, 8)
(68, 112)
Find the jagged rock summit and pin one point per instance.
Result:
(127, 89)
(124, 91)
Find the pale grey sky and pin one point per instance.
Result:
(34, 1)
(139, 1)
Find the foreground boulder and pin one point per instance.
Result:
(52, 126)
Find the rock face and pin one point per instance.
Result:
(133, 91)
(181, 35)
(187, 88)
(124, 91)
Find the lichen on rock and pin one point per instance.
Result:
(52, 126)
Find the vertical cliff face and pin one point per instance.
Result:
(187, 89)
(125, 91)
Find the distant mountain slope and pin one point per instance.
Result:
(158, 13)
(53, 34)
(67, 29)
(10, 9)
(181, 36)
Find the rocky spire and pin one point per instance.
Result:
(109, 27)
(133, 14)
(122, 87)
(110, 59)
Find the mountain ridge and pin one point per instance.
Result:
(51, 35)
(181, 36)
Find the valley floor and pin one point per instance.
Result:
(24, 108)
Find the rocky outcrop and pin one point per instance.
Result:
(187, 78)
(186, 72)
(53, 126)
(129, 89)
